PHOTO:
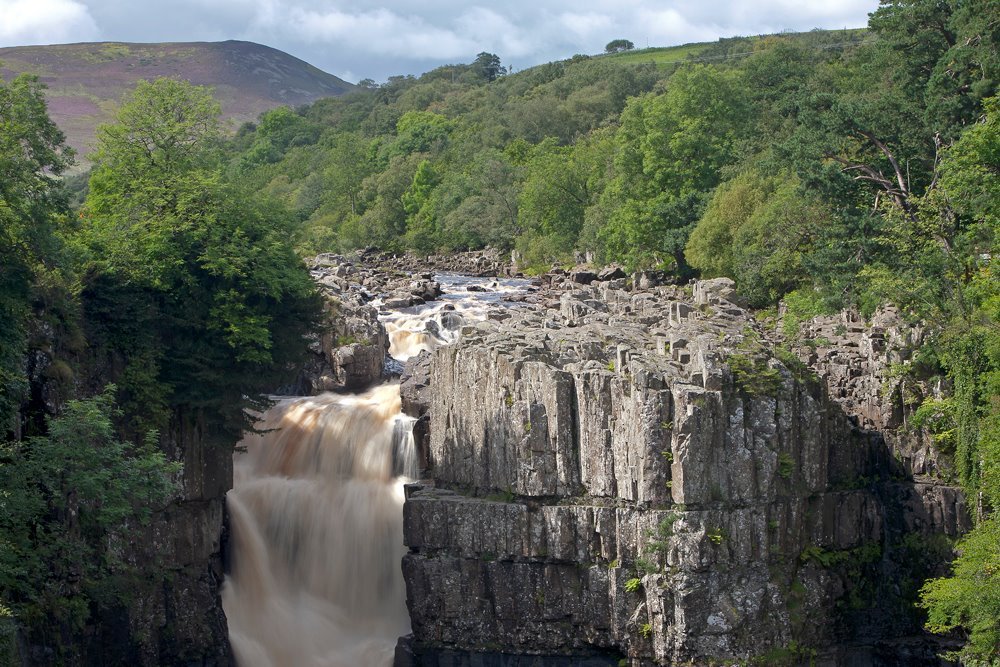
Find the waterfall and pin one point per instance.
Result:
(427, 328)
(316, 509)
(317, 533)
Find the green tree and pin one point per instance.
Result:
(420, 132)
(488, 66)
(618, 45)
(958, 241)
(710, 248)
(477, 205)
(278, 130)
(72, 499)
(32, 156)
(421, 227)
(191, 285)
(162, 133)
(970, 598)
(346, 163)
(757, 230)
(945, 53)
(971, 173)
(560, 183)
(670, 150)
(933, 65)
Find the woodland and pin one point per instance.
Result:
(820, 171)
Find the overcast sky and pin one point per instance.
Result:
(356, 40)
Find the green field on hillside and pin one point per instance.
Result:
(661, 55)
(735, 47)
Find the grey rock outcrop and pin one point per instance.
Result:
(488, 262)
(348, 354)
(178, 617)
(644, 474)
(861, 362)
(172, 612)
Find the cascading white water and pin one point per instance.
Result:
(317, 533)
(428, 327)
(316, 511)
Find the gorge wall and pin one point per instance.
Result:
(168, 610)
(646, 476)
(175, 616)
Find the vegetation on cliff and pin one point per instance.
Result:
(71, 498)
(172, 282)
(31, 158)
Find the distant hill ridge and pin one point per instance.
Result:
(87, 80)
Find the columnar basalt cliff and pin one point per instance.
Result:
(646, 476)
(614, 470)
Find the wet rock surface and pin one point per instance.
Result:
(349, 351)
(623, 468)
(173, 615)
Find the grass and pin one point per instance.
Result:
(661, 55)
(786, 466)
(753, 375)
(666, 56)
(348, 339)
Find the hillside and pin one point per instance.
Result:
(87, 80)
(728, 48)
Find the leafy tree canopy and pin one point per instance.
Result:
(191, 279)
(73, 499)
(618, 45)
(488, 66)
(32, 156)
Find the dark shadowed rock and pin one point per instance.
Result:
(646, 280)
(611, 273)
(582, 277)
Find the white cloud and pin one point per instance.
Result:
(487, 30)
(379, 31)
(377, 38)
(45, 22)
(585, 26)
(669, 26)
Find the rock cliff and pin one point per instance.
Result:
(170, 613)
(650, 476)
(176, 616)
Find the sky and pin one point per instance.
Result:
(357, 40)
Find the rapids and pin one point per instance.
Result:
(428, 327)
